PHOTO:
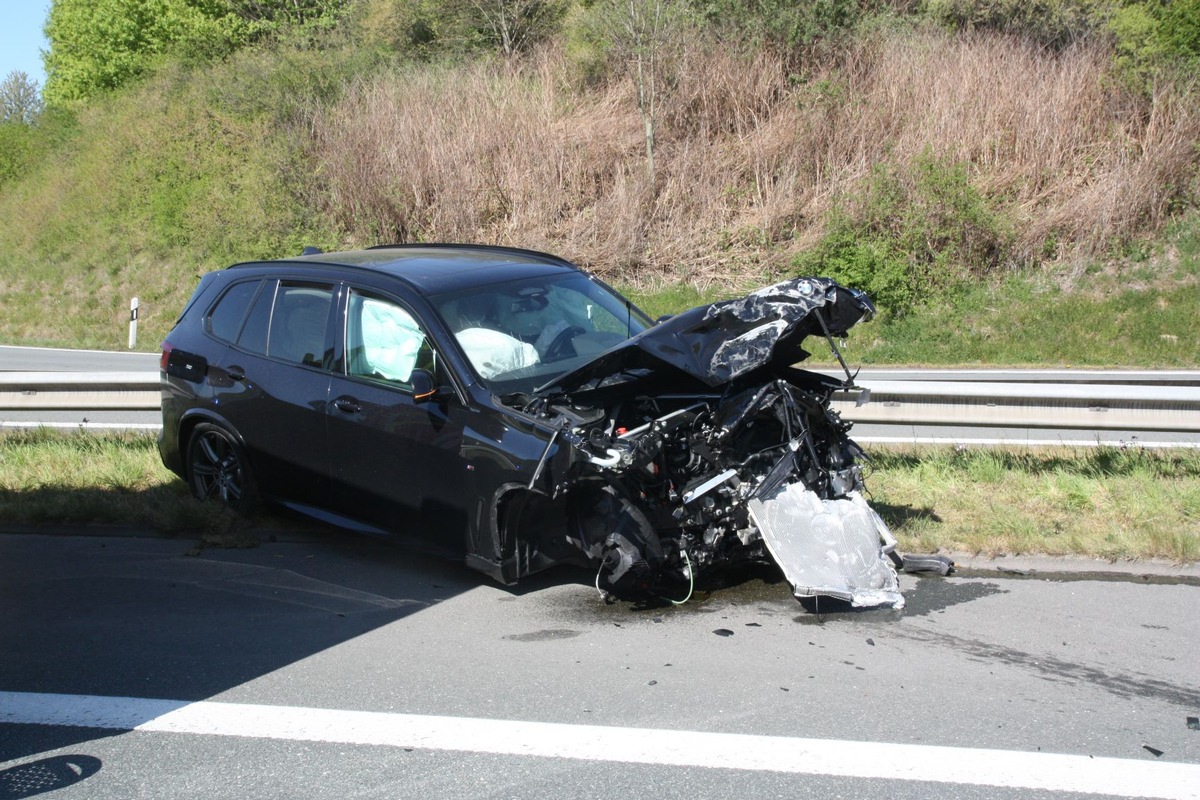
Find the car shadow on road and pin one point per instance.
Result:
(157, 617)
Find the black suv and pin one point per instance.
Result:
(512, 407)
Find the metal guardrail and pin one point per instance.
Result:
(1139, 402)
(1115, 377)
(84, 391)
(1027, 405)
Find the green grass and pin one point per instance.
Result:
(1103, 502)
(672, 298)
(1027, 321)
(81, 478)
(1110, 319)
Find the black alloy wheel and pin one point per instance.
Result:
(218, 470)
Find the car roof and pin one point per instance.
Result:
(437, 268)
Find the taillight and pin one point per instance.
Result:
(167, 347)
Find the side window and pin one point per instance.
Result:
(254, 331)
(384, 341)
(225, 318)
(297, 330)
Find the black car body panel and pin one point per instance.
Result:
(514, 409)
(718, 343)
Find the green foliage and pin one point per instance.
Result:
(1156, 40)
(17, 142)
(1180, 25)
(422, 29)
(914, 230)
(100, 44)
(1125, 502)
(675, 298)
(97, 45)
(1051, 23)
(412, 28)
(186, 171)
(786, 24)
(24, 146)
(1152, 39)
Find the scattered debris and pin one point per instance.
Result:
(1154, 751)
(723, 632)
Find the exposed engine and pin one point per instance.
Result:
(673, 476)
(698, 445)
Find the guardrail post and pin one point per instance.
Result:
(133, 315)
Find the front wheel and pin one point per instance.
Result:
(218, 469)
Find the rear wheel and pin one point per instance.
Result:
(218, 469)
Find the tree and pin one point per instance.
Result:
(101, 44)
(516, 25)
(19, 99)
(647, 35)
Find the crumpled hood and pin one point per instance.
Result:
(723, 341)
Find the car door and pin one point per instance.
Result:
(394, 457)
(273, 386)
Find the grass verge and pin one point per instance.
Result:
(78, 478)
(1105, 502)
(1102, 502)
(1124, 318)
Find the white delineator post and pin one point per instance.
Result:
(133, 315)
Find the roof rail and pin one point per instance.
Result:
(537, 254)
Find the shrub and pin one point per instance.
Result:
(912, 229)
(787, 26)
(1051, 23)
(1157, 41)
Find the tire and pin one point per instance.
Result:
(218, 469)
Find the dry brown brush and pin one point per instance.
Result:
(751, 157)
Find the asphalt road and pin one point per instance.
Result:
(330, 665)
(51, 359)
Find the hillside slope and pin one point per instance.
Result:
(913, 161)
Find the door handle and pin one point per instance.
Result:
(236, 373)
(347, 405)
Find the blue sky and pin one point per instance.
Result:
(21, 40)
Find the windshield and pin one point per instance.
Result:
(521, 334)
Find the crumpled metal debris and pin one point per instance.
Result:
(832, 547)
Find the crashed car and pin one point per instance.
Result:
(515, 409)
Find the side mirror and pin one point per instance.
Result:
(423, 387)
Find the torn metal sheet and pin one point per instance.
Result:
(829, 547)
(718, 343)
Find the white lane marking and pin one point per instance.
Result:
(959, 765)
